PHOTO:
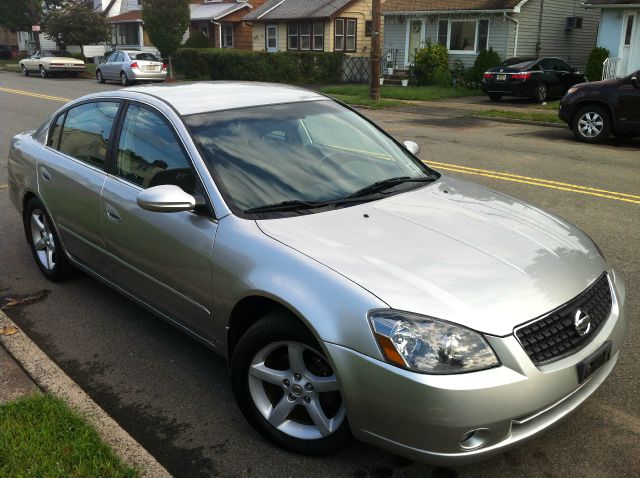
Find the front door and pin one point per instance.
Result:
(415, 39)
(271, 38)
(630, 47)
(164, 259)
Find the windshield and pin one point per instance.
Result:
(142, 56)
(312, 151)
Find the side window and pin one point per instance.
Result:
(54, 132)
(149, 153)
(120, 56)
(562, 66)
(112, 57)
(546, 65)
(86, 131)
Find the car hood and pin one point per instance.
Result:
(451, 250)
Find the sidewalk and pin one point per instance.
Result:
(14, 381)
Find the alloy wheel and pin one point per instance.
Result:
(99, 77)
(43, 240)
(25, 72)
(123, 79)
(43, 72)
(294, 388)
(590, 124)
(542, 92)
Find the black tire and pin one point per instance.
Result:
(61, 269)
(99, 78)
(25, 72)
(591, 124)
(495, 97)
(280, 329)
(541, 92)
(43, 72)
(124, 81)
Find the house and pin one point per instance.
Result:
(513, 28)
(312, 25)
(620, 34)
(221, 21)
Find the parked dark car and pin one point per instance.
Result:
(5, 51)
(538, 78)
(595, 110)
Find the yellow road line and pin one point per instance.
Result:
(537, 180)
(540, 184)
(35, 95)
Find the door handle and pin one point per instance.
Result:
(45, 174)
(112, 213)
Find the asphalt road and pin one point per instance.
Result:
(173, 395)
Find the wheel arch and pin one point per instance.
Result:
(597, 102)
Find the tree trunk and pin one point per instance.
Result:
(170, 68)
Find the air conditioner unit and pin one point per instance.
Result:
(572, 23)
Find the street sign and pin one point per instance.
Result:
(35, 28)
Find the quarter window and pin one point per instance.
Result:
(86, 131)
(54, 132)
(149, 153)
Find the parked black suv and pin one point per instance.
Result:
(595, 110)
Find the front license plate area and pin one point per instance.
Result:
(501, 77)
(593, 362)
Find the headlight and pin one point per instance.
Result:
(427, 345)
(571, 91)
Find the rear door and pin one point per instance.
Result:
(163, 259)
(71, 175)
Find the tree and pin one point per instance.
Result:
(19, 15)
(166, 21)
(75, 22)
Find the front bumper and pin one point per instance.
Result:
(427, 417)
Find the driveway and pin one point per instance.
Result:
(173, 395)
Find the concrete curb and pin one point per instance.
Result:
(50, 378)
(519, 121)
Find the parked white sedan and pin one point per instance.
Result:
(48, 63)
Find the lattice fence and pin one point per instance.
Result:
(356, 69)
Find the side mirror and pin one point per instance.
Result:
(412, 147)
(166, 198)
(634, 81)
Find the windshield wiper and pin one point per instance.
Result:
(291, 205)
(380, 186)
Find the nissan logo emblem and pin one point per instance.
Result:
(582, 323)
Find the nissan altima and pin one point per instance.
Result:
(355, 291)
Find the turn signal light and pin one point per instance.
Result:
(521, 76)
(164, 67)
(134, 64)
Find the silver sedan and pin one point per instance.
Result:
(129, 66)
(355, 290)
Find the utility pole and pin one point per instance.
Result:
(374, 87)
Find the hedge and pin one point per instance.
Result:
(281, 67)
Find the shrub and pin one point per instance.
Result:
(428, 60)
(282, 67)
(197, 40)
(458, 70)
(594, 63)
(485, 60)
(441, 78)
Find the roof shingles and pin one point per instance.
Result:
(295, 9)
(447, 5)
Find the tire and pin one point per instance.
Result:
(264, 382)
(541, 93)
(495, 97)
(44, 242)
(124, 81)
(99, 78)
(25, 72)
(43, 72)
(591, 124)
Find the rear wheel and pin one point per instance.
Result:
(541, 93)
(43, 72)
(286, 388)
(124, 81)
(495, 97)
(591, 124)
(99, 77)
(45, 245)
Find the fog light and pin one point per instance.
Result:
(474, 439)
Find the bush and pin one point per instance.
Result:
(281, 67)
(458, 70)
(441, 78)
(594, 63)
(428, 60)
(197, 40)
(485, 60)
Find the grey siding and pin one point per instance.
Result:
(395, 37)
(610, 32)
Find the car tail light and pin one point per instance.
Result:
(488, 75)
(134, 64)
(522, 76)
(164, 67)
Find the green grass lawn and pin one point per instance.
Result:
(415, 93)
(41, 437)
(541, 116)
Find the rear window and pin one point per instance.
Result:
(143, 56)
(521, 65)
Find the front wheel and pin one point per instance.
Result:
(124, 81)
(43, 72)
(541, 93)
(99, 77)
(591, 124)
(25, 72)
(45, 245)
(286, 388)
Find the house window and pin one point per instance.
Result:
(629, 31)
(125, 34)
(227, 35)
(463, 36)
(468, 36)
(368, 28)
(305, 36)
(483, 34)
(345, 34)
(443, 32)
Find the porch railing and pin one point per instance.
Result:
(610, 68)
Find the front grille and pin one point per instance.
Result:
(554, 335)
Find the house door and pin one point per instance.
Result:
(415, 39)
(271, 41)
(630, 48)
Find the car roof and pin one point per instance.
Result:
(202, 97)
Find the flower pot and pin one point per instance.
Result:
(382, 81)
(389, 71)
(404, 82)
